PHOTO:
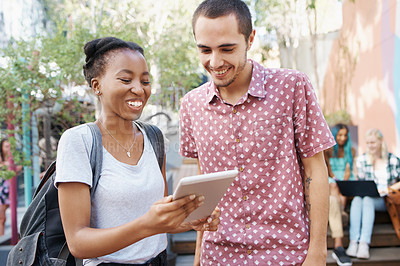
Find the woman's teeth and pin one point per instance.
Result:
(135, 104)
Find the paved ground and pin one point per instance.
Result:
(4, 240)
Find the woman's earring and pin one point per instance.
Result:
(98, 93)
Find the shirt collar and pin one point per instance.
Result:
(256, 87)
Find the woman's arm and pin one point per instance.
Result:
(85, 242)
(327, 156)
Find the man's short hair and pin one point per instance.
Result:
(218, 8)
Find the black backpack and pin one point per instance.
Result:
(42, 236)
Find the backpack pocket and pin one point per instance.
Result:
(31, 250)
(24, 252)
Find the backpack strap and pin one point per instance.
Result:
(49, 172)
(156, 139)
(96, 160)
(96, 155)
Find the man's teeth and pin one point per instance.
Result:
(220, 72)
(135, 104)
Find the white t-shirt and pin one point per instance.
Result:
(124, 192)
(381, 180)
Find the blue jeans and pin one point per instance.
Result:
(362, 217)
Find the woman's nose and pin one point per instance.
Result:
(136, 88)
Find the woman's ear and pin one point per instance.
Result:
(95, 86)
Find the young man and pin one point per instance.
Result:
(267, 124)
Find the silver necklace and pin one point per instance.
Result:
(128, 151)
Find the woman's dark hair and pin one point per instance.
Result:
(2, 155)
(96, 51)
(218, 8)
(348, 155)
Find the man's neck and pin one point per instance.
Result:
(232, 93)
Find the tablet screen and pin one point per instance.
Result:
(212, 186)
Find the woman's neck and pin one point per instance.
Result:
(117, 126)
(340, 152)
(379, 164)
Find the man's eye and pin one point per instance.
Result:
(227, 50)
(125, 80)
(205, 51)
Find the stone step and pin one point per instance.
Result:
(383, 235)
(184, 260)
(379, 256)
(184, 243)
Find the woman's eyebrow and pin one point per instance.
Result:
(127, 71)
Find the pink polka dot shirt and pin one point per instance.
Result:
(263, 216)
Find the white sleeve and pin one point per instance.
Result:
(73, 156)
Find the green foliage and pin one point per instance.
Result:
(341, 116)
(73, 112)
(167, 41)
(39, 69)
(6, 174)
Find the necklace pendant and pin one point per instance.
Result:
(128, 153)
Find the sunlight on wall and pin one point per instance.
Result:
(396, 69)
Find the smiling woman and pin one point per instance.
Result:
(127, 218)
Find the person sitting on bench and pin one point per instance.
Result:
(384, 168)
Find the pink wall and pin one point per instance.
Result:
(360, 75)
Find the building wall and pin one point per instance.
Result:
(363, 73)
(21, 19)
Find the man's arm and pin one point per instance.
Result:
(316, 190)
(198, 248)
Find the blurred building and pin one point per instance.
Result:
(363, 72)
(21, 19)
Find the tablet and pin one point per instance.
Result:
(212, 186)
(360, 188)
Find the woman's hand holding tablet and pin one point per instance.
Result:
(212, 186)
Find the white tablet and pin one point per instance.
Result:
(212, 186)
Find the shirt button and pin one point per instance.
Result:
(241, 169)
(249, 251)
(237, 140)
(247, 226)
(234, 111)
(245, 197)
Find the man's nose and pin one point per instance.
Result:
(216, 60)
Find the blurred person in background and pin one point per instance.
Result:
(339, 160)
(384, 168)
(5, 150)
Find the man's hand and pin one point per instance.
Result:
(207, 224)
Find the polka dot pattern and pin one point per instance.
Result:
(263, 215)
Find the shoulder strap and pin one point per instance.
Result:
(157, 140)
(96, 155)
(96, 160)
